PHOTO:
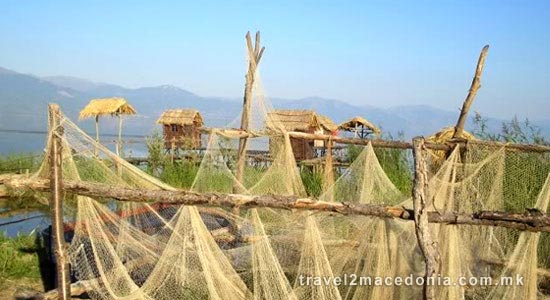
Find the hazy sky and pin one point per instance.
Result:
(381, 53)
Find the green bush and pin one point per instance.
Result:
(157, 157)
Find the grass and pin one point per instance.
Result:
(182, 173)
(397, 167)
(18, 258)
(19, 163)
(395, 163)
(313, 181)
(179, 174)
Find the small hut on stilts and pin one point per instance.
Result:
(181, 129)
(360, 127)
(107, 106)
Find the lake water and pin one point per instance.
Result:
(33, 143)
(24, 223)
(29, 142)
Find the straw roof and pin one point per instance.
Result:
(292, 120)
(107, 106)
(181, 117)
(327, 123)
(352, 123)
(446, 134)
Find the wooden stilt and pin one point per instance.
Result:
(56, 205)
(119, 142)
(96, 134)
(427, 245)
(172, 149)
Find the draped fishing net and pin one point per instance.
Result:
(131, 250)
(147, 250)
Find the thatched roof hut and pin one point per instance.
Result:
(304, 121)
(181, 117)
(442, 136)
(360, 127)
(181, 128)
(292, 120)
(446, 134)
(299, 120)
(356, 122)
(107, 106)
(327, 123)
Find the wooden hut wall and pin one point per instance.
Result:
(178, 136)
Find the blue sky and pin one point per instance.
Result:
(381, 53)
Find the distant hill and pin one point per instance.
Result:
(24, 99)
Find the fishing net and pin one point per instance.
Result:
(147, 250)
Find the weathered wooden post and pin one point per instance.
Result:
(173, 149)
(56, 204)
(255, 55)
(428, 246)
(476, 84)
(328, 176)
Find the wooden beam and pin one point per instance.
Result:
(357, 141)
(476, 84)
(380, 143)
(56, 204)
(427, 244)
(527, 221)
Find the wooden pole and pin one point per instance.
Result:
(328, 178)
(96, 134)
(254, 55)
(119, 143)
(449, 145)
(531, 220)
(427, 245)
(380, 143)
(476, 84)
(56, 205)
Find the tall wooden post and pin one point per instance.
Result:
(255, 55)
(428, 246)
(476, 84)
(56, 205)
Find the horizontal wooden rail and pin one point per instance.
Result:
(433, 146)
(381, 143)
(529, 221)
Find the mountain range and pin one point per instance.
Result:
(24, 99)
